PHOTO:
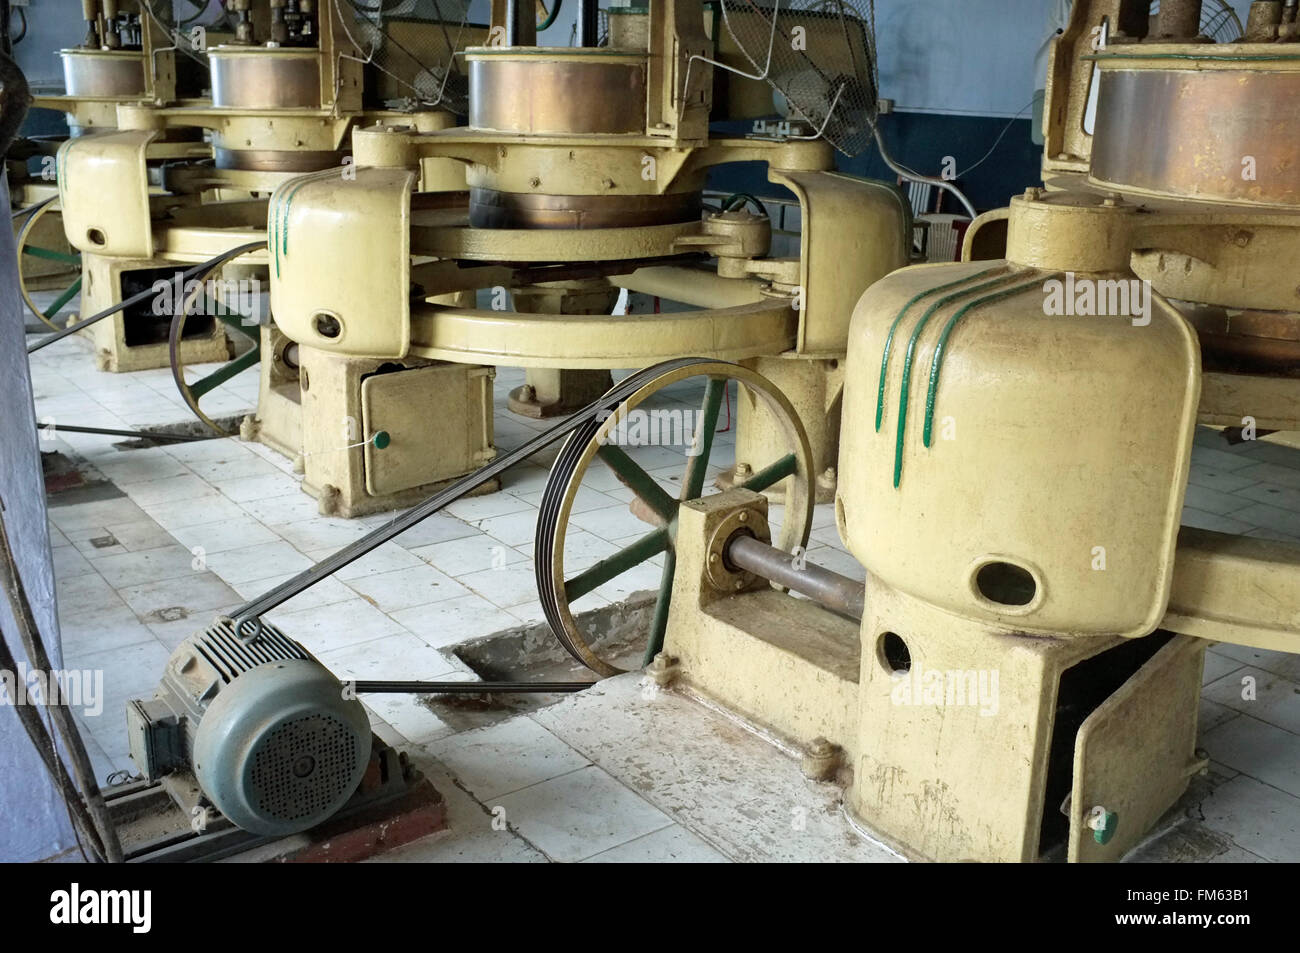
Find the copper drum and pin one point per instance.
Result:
(1178, 131)
(103, 74)
(255, 77)
(489, 208)
(557, 92)
(1246, 342)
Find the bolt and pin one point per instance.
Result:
(713, 557)
(662, 669)
(820, 760)
(1033, 194)
(743, 470)
(534, 181)
(743, 517)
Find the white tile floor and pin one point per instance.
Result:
(201, 527)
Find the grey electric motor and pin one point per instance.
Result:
(266, 730)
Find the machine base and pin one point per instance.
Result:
(395, 805)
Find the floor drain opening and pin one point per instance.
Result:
(532, 653)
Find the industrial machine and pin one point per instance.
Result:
(1019, 677)
(133, 52)
(589, 184)
(177, 185)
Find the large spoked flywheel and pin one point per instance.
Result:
(596, 443)
(72, 261)
(193, 391)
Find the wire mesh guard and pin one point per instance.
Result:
(187, 23)
(412, 45)
(819, 57)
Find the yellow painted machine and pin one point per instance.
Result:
(1019, 677)
(585, 167)
(178, 182)
(128, 56)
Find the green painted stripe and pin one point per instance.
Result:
(647, 547)
(772, 474)
(1259, 58)
(940, 348)
(905, 386)
(889, 338)
(286, 193)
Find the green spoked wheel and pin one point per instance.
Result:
(26, 248)
(194, 391)
(594, 444)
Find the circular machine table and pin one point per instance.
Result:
(194, 392)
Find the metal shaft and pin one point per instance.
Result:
(1179, 19)
(466, 688)
(521, 23)
(137, 434)
(837, 593)
(588, 22)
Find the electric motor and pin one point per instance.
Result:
(264, 727)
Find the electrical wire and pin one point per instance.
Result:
(913, 176)
(1005, 130)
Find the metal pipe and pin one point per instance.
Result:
(1263, 20)
(136, 434)
(1179, 19)
(927, 179)
(90, 13)
(521, 29)
(588, 22)
(837, 593)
